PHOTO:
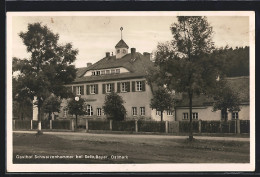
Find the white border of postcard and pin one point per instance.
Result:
(168, 167)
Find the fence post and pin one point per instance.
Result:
(40, 125)
(50, 124)
(86, 125)
(199, 126)
(72, 124)
(166, 126)
(14, 124)
(136, 126)
(110, 125)
(178, 126)
(235, 126)
(31, 124)
(238, 126)
(220, 126)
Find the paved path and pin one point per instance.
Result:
(140, 136)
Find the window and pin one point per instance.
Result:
(118, 51)
(134, 111)
(92, 89)
(234, 115)
(195, 115)
(89, 110)
(117, 71)
(65, 113)
(138, 86)
(99, 111)
(224, 115)
(113, 71)
(123, 87)
(108, 88)
(107, 71)
(158, 113)
(98, 73)
(102, 72)
(93, 73)
(79, 91)
(185, 116)
(169, 113)
(142, 110)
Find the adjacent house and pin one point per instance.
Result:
(202, 108)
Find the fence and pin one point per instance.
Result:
(231, 126)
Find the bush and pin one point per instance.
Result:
(123, 125)
(45, 124)
(22, 124)
(151, 126)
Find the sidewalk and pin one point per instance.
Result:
(148, 136)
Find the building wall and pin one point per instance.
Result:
(165, 116)
(206, 113)
(132, 99)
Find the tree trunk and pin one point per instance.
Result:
(191, 126)
(76, 121)
(161, 116)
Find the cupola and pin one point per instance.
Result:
(121, 47)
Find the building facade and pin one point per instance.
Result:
(123, 73)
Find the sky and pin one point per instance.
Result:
(93, 36)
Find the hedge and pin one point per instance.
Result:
(22, 124)
(151, 126)
(123, 125)
(210, 126)
(98, 125)
(61, 124)
(184, 126)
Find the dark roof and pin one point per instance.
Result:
(121, 44)
(137, 66)
(240, 85)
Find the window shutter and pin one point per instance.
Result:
(112, 87)
(104, 88)
(128, 86)
(143, 85)
(88, 90)
(82, 89)
(118, 87)
(133, 86)
(96, 87)
(74, 90)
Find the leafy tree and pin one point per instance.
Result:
(49, 67)
(76, 107)
(225, 99)
(51, 105)
(185, 65)
(162, 100)
(113, 106)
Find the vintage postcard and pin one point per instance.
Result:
(130, 91)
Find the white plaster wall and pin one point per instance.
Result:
(165, 116)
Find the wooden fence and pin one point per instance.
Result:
(231, 126)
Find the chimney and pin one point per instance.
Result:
(133, 53)
(89, 64)
(107, 54)
(146, 54)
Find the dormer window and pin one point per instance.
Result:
(98, 73)
(113, 71)
(108, 71)
(93, 73)
(102, 72)
(117, 71)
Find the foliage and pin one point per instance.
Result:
(162, 100)
(51, 105)
(48, 68)
(225, 98)
(113, 106)
(233, 62)
(185, 65)
(76, 108)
